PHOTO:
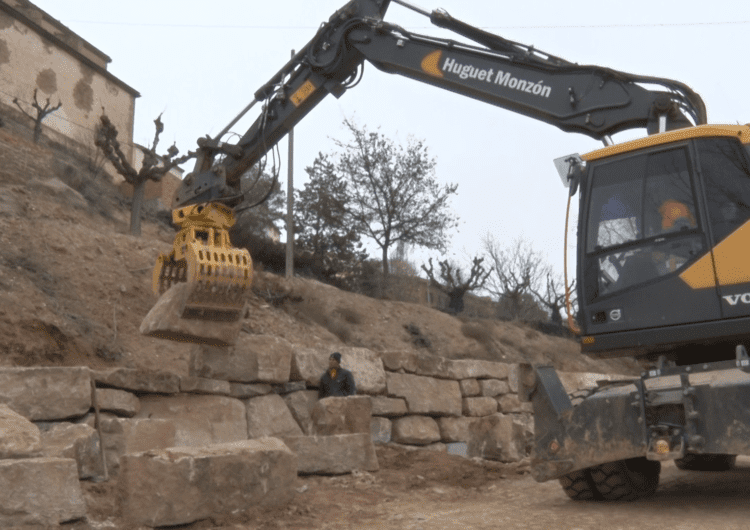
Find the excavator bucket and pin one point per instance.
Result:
(202, 280)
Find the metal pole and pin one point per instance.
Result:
(290, 207)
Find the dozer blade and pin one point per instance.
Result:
(202, 282)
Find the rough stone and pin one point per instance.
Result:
(573, 381)
(253, 359)
(470, 368)
(308, 364)
(433, 366)
(389, 407)
(202, 385)
(469, 387)
(77, 441)
(269, 416)
(479, 406)
(181, 485)
(19, 438)
(398, 360)
(301, 405)
(380, 430)
(164, 321)
(342, 415)
(511, 403)
(118, 402)
(426, 395)
(138, 380)
(244, 390)
(416, 430)
(46, 393)
(455, 429)
(513, 371)
(289, 387)
(493, 387)
(40, 491)
(199, 419)
(493, 438)
(333, 455)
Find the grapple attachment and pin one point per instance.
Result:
(203, 257)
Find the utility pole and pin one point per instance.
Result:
(290, 207)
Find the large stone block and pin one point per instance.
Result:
(416, 430)
(118, 402)
(494, 438)
(511, 403)
(493, 387)
(138, 380)
(203, 385)
(252, 359)
(19, 438)
(269, 416)
(426, 395)
(46, 393)
(397, 361)
(573, 381)
(308, 364)
(469, 387)
(389, 407)
(380, 430)
(248, 390)
(455, 429)
(470, 368)
(39, 491)
(479, 406)
(342, 415)
(181, 485)
(77, 441)
(165, 321)
(433, 366)
(199, 419)
(301, 405)
(333, 455)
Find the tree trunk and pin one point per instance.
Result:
(135, 209)
(37, 130)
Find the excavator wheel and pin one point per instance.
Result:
(626, 480)
(579, 485)
(702, 462)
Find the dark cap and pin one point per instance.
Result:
(337, 356)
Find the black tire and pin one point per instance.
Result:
(626, 480)
(579, 486)
(693, 462)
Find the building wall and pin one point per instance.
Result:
(37, 52)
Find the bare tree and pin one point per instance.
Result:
(453, 282)
(154, 167)
(519, 270)
(552, 296)
(41, 113)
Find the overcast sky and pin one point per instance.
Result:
(200, 62)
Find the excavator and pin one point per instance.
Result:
(662, 270)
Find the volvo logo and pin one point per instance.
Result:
(733, 299)
(615, 315)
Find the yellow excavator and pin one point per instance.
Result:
(662, 272)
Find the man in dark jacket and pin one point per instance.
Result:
(336, 381)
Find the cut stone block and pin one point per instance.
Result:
(494, 438)
(301, 405)
(433, 366)
(181, 485)
(40, 491)
(455, 429)
(479, 406)
(77, 441)
(164, 321)
(342, 415)
(308, 364)
(573, 381)
(202, 385)
(333, 455)
(252, 359)
(426, 395)
(475, 369)
(396, 361)
(199, 419)
(493, 387)
(46, 393)
(389, 407)
(416, 430)
(19, 438)
(269, 416)
(469, 387)
(380, 430)
(138, 380)
(511, 403)
(118, 402)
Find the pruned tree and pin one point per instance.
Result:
(154, 166)
(394, 194)
(453, 282)
(41, 113)
(552, 296)
(518, 270)
(323, 223)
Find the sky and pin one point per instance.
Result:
(199, 63)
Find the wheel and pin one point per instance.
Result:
(693, 462)
(626, 480)
(579, 486)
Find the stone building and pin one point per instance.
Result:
(38, 52)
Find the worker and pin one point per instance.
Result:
(676, 215)
(336, 381)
